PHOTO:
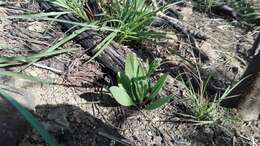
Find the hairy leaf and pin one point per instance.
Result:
(131, 65)
(121, 96)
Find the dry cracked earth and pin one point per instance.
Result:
(78, 109)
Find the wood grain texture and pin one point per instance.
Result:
(112, 57)
(247, 93)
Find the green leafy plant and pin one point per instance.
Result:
(131, 17)
(135, 86)
(117, 20)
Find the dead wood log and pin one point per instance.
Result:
(113, 57)
(249, 78)
(223, 9)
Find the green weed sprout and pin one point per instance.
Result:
(135, 87)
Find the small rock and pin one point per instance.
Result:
(37, 27)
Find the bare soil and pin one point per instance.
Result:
(79, 111)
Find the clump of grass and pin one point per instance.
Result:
(203, 107)
(249, 11)
(118, 20)
(126, 19)
(77, 7)
(131, 17)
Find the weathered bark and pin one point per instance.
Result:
(112, 57)
(249, 85)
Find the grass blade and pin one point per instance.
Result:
(16, 60)
(35, 16)
(30, 119)
(158, 86)
(103, 45)
(158, 103)
(61, 42)
(22, 76)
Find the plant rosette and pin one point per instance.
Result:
(135, 87)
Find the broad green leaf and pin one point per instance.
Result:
(125, 82)
(30, 119)
(140, 71)
(135, 90)
(121, 96)
(158, 86)
(157, 103)
(144, 89)
(131, 65)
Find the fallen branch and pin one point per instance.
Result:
(248, 79)
(112, 57)
(175, 23)
(180, 27)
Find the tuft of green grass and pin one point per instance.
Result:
(78, 7)
(131, 17)
(119, 20)
(202, 108)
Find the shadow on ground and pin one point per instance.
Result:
(72, 126)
